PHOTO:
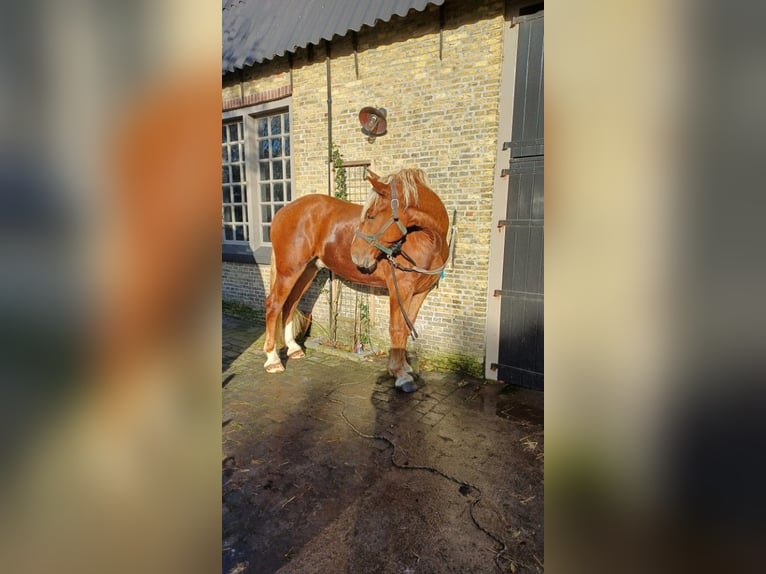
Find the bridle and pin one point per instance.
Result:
(395, 249)
(394, 219)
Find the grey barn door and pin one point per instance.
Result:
(520, 356)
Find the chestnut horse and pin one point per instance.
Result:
(403, 226)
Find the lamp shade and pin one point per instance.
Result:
(373, 121)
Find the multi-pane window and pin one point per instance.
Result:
(273, 141)
(256, 177)
(234, 186)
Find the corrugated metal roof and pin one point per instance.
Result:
(259, 30)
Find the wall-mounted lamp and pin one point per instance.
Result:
(373, 122)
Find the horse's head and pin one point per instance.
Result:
(382, 226)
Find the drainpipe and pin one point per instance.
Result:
(329, 120)
(333, 326)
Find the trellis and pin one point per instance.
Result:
(351, 307)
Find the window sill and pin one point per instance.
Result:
(243, 254)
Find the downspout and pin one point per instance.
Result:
(333, 326)
(329, 120)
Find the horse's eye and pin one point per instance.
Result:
(370, 216)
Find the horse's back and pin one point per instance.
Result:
(305, 224)
(314, 206)
(311, 204)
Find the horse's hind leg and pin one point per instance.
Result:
(273, 310)
(280, 291)
(294, 350)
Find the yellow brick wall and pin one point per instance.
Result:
(442, 117)
(266, 76)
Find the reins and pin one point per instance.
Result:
(396, 265)
(396, 249)
(407, 320)
(399, 251)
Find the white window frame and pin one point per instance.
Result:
(255, 249)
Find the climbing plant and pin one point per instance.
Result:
(340, 173)
(364, 316)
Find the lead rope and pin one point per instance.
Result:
(438, 271)
(390, 257)
(413, 332)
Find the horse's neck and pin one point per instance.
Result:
(434, 238)
(430, 215)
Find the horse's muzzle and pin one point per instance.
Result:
(365, 263)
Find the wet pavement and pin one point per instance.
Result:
(328, 469)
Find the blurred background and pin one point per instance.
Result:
(654, 275)
(110, 295)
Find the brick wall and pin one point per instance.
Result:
(442, 117)
(262, 78)
(245, 283)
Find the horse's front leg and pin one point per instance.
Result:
(398, 366)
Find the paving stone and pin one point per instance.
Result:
(432, 418)
(381, 405)
(296, 464)
(440, 408)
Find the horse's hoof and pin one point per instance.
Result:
(274, 368)
(406, 385)
(407, 369)
(299, 354)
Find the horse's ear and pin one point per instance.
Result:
(379, 187)
(372, 175)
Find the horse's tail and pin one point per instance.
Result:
(301, 321)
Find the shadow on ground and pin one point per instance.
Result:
(306, 487)
(239, 336)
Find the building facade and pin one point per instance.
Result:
(443, 73)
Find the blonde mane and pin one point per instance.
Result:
(407, 181)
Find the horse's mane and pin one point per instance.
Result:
(407, 181)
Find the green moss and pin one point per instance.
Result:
(243, 312)
(462, 364)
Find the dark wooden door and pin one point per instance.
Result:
(520, 356)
